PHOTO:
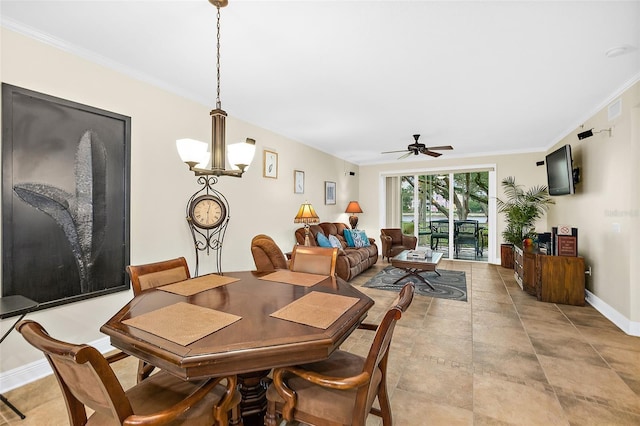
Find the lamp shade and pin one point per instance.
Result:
(306, 214)
(241, 154)
(191, 150)
(353, 207)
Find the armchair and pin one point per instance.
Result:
(394, 242)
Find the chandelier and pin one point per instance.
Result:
(196, 154)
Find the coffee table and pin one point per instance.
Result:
(415, 266)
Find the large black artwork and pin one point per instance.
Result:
(65, 198)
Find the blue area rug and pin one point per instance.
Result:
(448, 285)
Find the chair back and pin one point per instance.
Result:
(379, 352)
(150, 275)
(314, 260)
(84, 376)
(266, 254)
(394, 233)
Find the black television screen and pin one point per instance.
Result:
(560, 171)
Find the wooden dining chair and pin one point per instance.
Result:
(87, 381)
(266, 254)
(342, 389)
(150, 275)
(314, 260)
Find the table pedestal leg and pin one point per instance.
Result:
(253, 388)
(416, 273)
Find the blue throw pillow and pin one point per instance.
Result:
(348, 237)
(322, 240)
(360, 238)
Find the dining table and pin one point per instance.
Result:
(239, 323)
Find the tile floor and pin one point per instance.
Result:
(501, 358)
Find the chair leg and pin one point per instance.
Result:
(236, 419)
(270, 418)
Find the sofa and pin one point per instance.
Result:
(351, 261)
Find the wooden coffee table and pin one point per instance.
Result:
(415, 266)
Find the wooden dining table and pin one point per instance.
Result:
(254, 342)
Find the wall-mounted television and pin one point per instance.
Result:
(560, 173)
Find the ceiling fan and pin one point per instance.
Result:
(420, 148)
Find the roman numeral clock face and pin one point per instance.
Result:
(207, 212)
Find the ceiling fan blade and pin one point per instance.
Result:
(431, 153)
(440, 148)
(393, 152)
(405, 155)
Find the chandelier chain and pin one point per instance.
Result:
(218, 103)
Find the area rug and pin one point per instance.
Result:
(449, 285)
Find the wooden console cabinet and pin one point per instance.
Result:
(554, 279)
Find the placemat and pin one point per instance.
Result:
(196, 285)
(297, 278)
(316, 309)
(182, 323)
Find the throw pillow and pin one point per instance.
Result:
(348, 237)
(322, 240)
(360, 238)
(335, 242)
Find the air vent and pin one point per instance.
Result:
(615, 109)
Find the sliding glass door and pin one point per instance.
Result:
(448, 212)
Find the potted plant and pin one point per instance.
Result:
(522, 208)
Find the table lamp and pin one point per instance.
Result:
(353, 208)
(306, 215)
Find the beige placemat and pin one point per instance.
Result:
(298, 278)
(316, 309)
(182, 323)
(196, 285)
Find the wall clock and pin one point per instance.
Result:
(207, 211)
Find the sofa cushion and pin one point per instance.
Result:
(354, 257)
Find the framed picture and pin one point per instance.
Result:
(270, 160)
(298, 182)
(329, 192)
(65, 198)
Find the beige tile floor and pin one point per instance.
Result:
(502, 358)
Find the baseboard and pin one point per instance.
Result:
(36, 370)
(632, 328)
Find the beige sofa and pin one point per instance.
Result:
(351, 260)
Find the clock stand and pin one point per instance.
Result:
(208, 216)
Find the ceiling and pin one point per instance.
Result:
(355, 78)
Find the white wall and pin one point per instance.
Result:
(161, 184)
(606, 206)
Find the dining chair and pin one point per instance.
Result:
(340, 390)
(150, 275)
(266, 254)
(88, 381)
(314, 260)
